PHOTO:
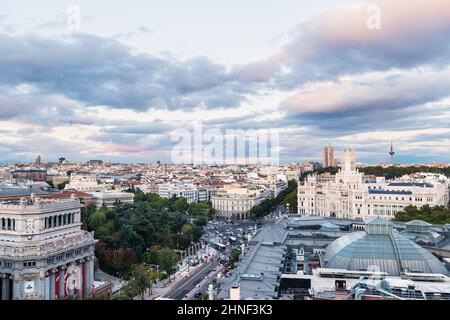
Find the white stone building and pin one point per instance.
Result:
(350, 196)
(83, 182)
(234, 202)
(205, 193)
(187, 190)
(44, 254)
(111, 198)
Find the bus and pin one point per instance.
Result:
(218, 246)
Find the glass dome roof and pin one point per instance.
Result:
(380, 248)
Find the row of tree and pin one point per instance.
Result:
(264, 207)
(393, 172)
(390, 172)
(434, 215)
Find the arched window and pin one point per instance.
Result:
(65, 219)
(14, 224)
(9, 224)
(55, 221)
(59, 220)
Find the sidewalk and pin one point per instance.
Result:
(160, 289)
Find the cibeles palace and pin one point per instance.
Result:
(349, 194)
(44, 254)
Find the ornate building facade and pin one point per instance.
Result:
(350, 195)
(233, 202)
(44, 254)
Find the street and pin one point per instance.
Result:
(188, 283)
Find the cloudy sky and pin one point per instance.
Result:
(117, 84)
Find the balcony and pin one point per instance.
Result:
(38, 249)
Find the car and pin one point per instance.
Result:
(197, 295)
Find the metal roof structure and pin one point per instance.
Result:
(394, 192)
(411, 184)
(22, 192)
(380, 248)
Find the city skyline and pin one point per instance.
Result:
(115, 88)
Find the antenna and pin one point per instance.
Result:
(392, 153)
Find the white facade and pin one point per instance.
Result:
(179, 189)
(83, 183)
(205, 194)
(236, 202)
(110, 199)
(350, 196)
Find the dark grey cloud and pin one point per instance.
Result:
(99, 71)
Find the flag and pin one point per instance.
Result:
(83, 285)
(66, 276)
(75, 281)
(57, 285)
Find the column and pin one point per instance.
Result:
(80, 280)
(83, 279)
(87, 277)
(61, 282)
(14, 288)
(52, 284)
(5, 286)
(91, 271)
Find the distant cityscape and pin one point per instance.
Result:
(230, 151)
(328, 225)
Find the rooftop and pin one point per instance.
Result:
(382, 247)
(410, 184)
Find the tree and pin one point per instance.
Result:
(167, 260)
(434, 215)
(264, 208)
(62, 185)
(291, 199)
(96, 220)
(187, 229)
(141, 279)
(151, 256)
(201, 209)
(257, 211)
(181, 204)
(86, 212)
(235, 254)
(127, 230)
